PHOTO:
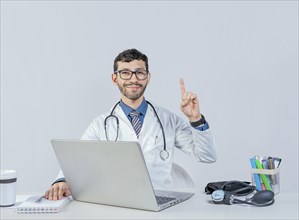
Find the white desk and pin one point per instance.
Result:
(199, 206)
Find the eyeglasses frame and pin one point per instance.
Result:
(133, 72)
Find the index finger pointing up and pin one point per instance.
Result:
(182, 85)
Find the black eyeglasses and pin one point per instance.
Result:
(127, 74)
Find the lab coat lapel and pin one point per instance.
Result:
(149, 126)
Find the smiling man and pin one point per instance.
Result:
(131, 88)
(158, 131)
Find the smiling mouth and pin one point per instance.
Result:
(134, 87)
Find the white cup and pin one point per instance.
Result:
(8, 185)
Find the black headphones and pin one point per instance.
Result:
(260, 198)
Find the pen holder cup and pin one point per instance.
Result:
(266, 179)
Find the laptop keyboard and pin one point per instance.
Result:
(162, 199)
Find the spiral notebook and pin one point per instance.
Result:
(38, 204)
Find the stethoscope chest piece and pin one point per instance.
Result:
(164, 154)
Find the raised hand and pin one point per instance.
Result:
(189, 104)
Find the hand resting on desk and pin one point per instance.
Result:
(57, 191)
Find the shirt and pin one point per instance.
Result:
(142, 110)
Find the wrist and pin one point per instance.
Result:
(198, 122)
(59, 181)
(195, 118)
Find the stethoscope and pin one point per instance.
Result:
(163, 153)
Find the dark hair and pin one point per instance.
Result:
(128, 56)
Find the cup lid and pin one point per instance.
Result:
(8, 174)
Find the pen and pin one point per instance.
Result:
(39, 199)
(279, 161)
(264, 162)
(272, 166)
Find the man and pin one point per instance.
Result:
(131, 75)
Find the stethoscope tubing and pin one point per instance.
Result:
(163, 153)
(117, 121)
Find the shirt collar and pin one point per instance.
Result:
(127, 109)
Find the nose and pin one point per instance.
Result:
(134, 77)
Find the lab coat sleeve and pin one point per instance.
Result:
(195, 143)
(204, 145)
(93, 131)
(60, 175)
(59, 178)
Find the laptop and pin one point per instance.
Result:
(111, 173)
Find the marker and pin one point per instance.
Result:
(263, 176)
(256, 176)
(265, 165)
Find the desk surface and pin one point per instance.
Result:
(199, 206)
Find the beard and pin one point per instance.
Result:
(132, 95)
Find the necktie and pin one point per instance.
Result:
(136, 123)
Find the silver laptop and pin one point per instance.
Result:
(111, 173)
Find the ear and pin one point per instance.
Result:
(149, 78)
(114, 79)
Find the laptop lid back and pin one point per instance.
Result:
(111, 173)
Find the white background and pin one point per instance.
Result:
(240, 57)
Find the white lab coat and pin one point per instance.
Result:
(178, 132)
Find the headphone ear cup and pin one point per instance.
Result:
(218, 196)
